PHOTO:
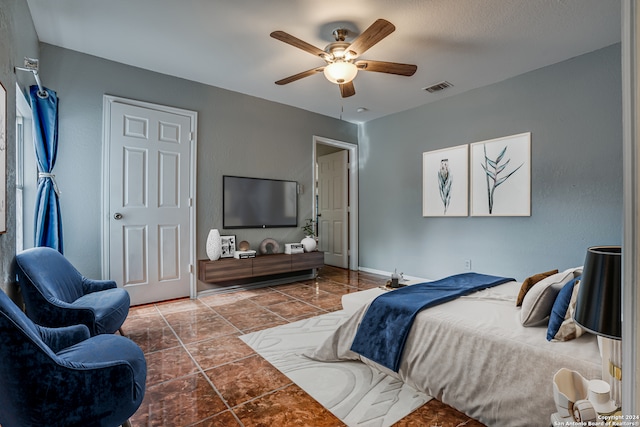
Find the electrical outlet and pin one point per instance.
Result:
(467, 264)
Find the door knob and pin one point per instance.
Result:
(117, 215)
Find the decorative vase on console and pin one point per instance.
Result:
(309, 242)
(214, 244)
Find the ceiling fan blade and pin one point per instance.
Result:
(387, 67)
(300, 76)
(296, 42)
(347, 90)
(372, 35)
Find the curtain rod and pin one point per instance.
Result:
(32, 65)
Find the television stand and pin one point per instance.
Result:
(232, 271)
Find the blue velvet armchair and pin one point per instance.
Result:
(63, 377)
(56, 294)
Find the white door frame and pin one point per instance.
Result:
(631, 197)
(108, 101)
(353, 192)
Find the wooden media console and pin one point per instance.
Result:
(263, 267)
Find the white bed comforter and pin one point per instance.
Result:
(473, 354)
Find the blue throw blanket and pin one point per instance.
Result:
(385, 326)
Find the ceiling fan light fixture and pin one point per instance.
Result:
(340, 72)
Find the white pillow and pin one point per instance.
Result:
(538, 302)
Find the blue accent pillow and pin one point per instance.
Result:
(560, 307)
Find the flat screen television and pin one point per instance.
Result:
(259, 203)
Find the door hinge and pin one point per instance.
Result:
(190, 202)
(190, 136)
(191, 268)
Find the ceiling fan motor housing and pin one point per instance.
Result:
(337, 50)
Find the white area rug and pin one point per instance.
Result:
(357, 394)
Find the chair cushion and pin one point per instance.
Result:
(110, 307)
(107, 350)
(119, 365)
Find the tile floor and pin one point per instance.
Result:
(201, 374)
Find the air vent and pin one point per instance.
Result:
(438, 87)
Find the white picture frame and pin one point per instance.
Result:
(501, 176)
(445, 182)
(228, 245)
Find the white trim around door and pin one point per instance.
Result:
(353, 192)
(631, 192)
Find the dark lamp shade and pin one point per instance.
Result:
(598, 307)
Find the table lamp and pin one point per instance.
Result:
(599, 306)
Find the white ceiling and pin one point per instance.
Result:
(226, 43)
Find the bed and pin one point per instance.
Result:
(474, 354)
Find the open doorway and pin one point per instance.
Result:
(335, 201)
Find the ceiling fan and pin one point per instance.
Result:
(340, 57)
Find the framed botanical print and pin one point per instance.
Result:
(501, 176)
(445, 182)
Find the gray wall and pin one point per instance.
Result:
(237, 134)
(573, 111)
(17, 39)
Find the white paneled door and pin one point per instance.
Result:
(150, 200)
(333, 204)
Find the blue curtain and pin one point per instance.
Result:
(48, 220)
